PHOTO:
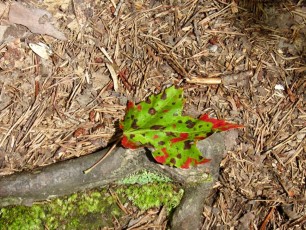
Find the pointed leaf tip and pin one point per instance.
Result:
(219, 125)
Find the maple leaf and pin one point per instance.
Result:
(158, 123)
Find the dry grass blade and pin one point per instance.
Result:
(119, 202)
(267, 219)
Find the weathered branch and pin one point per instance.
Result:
(67, 177)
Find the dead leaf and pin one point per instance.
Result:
(41, 49)
(36, 20)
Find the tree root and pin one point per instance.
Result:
(67, 177)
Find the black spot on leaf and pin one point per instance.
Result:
(152, 111)
(187, 144)
(173, 161)
(179, 156)
(169, 134)
(132, 136)
(148, 100)
(190, 124)
(161, 142)
(157, 127)
(134, 124)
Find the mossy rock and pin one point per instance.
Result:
(89, 210)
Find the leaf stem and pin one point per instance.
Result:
(103, 157)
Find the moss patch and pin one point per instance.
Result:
(89, 210)
(153, 195)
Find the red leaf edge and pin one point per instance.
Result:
(194, 161)
(183, 136)
(162, 159)
(130, 105)
(128, 144)
(219, 125)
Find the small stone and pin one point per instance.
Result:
(213, 48)
(279, 87)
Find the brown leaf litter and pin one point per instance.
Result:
(67, 105)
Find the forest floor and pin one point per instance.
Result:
(104, 53)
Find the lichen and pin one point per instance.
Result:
(193, 180)
(144, 177)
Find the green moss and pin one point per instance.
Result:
(94, 209)
(91, 210)
(23, 216)
(147, 190)
(153, 195)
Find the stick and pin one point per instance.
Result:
(102, 158)
(118, 7)
(205, 81)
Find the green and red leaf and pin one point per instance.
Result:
(158, 122)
